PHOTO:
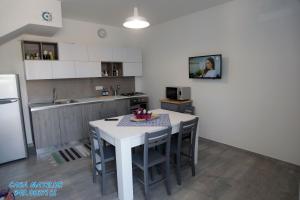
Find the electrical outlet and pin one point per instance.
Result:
(99, 87)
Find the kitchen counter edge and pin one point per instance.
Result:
(33, 107)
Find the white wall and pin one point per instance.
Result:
(15, 19)
(255, 106)
(73, 31)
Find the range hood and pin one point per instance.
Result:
(37, 17)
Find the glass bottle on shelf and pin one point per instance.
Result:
(37, 56)
(114, 71)
(45, 55)
(51, 57)
(27, 56)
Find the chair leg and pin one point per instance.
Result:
(94, 173)
(167, 173)
(103, 183)
(103, 179)
(193, 163)
(146, 183)
(151, 173)
(93, 165)
(178, 172)
(174, 158)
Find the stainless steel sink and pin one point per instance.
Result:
(64, 101)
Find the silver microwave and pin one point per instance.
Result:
(178, 93)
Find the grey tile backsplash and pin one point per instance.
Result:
(41, 90)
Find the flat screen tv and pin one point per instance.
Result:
(206, 67)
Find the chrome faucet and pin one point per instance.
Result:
(54, 95)
(115, 91)
(118, 90)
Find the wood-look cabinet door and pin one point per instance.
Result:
(122, 107)
(46, 128)
(71, 125)
(90, 112)
(108, 109)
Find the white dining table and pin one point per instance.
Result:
(124, 138)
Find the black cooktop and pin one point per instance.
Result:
(129, 94)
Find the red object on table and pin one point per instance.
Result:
(139, 114)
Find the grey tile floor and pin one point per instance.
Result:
(222, 173)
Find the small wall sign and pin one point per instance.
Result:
(47, 16)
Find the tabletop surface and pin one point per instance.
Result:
(122, 132)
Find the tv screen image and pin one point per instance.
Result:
(206, 67)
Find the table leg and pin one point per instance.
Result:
(124, 169)
(196, 146)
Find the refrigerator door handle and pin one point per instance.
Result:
(6, 101)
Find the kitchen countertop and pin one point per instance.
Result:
(44, 106)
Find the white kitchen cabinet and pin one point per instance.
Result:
(133, 55)
(87, 69)
(132, 69)
(63, 69)
(72, 52)
(98, 53)
(119, 54)
(36, 69)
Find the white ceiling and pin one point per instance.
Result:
(114, 12)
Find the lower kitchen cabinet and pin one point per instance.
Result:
(108, 109)
(90, 112)
(71, 123)
(58, 126)
(122, 107)
(46, 126)
(115, 108)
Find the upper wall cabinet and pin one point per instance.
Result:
(119, 54)
(87, 69)
(36, 69)
(39, 70)
(132, 69)
(98, 53)
(133, 55)
(127, 55)
(72, 52)
(63, 69)
(83, 61)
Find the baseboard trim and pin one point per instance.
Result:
(251, 152)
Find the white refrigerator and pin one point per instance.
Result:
(12, 137)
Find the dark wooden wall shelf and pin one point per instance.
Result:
(112, 69)
(35, 50)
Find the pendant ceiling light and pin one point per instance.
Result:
(136, 21)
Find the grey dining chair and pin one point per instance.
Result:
(184, 145)
(101, 155)
(156, 152)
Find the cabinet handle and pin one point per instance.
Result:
(7, 101)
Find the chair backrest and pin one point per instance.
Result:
(188, 129)
(96, 143)
(155, 139)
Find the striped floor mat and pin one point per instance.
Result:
(69, 154)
